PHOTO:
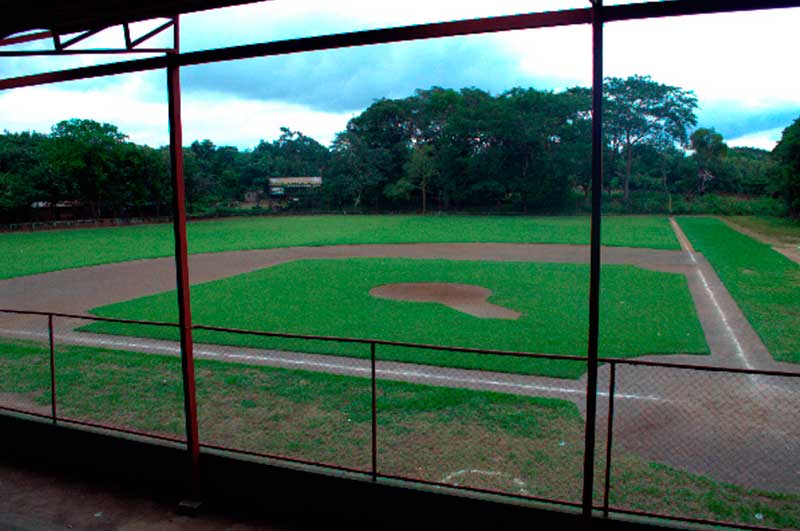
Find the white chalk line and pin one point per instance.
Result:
(520, 484)
(405, 374)
(728, 329)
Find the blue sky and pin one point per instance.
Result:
(735, 64)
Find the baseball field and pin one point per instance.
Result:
(691, 291)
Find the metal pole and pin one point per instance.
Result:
(594, 277)
(53, 407)
(182, 262)
(374, 416)
(612, 386)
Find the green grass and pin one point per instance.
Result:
(38, 252)
(424, 432)
(331, 297)
(764, 283)
(783, 230)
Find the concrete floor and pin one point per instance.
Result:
(34, 498)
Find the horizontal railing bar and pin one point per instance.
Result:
(283, 458)
(403, 344)
(128, 431)
(47, 416)
(91, 424)
(89, 317)
(704, 368)
(687, 519)
(366, 341)
(481, 490)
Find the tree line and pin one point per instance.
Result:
(439, 149)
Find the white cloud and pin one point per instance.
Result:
(38, 108)
(233, 121)
(736, 64)
(762, 139)
(223, 119)
(734, 56)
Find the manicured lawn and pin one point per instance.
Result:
(783, 230)
(514, 444)
(764, 283)
(644, 312)
(38, 252)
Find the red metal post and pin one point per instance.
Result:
(612, 386)
(594, 272)
(374, 415)
(182, 263)
(51, 337)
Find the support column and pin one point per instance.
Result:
(182, 262)
(594, 275)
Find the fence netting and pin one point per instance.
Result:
(120, 381)
(25, 363)
(699, 444)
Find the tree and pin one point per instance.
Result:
(420, 171)
(641, 111)
(20, 167)
(86, 154)
(298, 155)
(787, 156)
(709, 152)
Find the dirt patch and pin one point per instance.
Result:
(24, 402)
(465, 298)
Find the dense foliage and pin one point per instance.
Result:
(787, 155)
(523, 150)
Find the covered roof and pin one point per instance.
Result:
(63, 17)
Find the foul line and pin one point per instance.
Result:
(731, 334)
(352, 369)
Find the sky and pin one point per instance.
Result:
(735, 63)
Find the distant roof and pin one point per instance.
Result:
(295, 181)
(71, 16)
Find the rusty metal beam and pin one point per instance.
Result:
(153, 33)
(81, 37)
(98, 51)
(594, 268)
(408, 33)
(307, 44)
(182, 264)
(677, 8)
(26, 38)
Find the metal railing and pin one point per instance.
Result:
(605, 506)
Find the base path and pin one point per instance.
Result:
(731, 428)
(789, 250)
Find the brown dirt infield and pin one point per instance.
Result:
(727, 428)
(462, 297)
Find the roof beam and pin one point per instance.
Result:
(408, 33)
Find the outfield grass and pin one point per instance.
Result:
(331, 297)
(521, 444)
(27, 253)
(764, 283)
(783, 230)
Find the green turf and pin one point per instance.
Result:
(424, 432)
(783, 230)
(764, 283)
(38, 252)
(331, 297)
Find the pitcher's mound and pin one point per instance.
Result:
(462, 297)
